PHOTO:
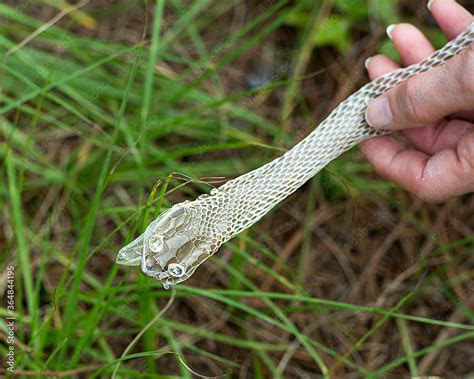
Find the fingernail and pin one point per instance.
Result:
(366, 63)
(430, 3)
(389, 30)
(379, 114)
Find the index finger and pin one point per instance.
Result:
(450, 16)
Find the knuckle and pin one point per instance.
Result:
(409, 101)
(427, 185)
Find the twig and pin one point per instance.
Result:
(44, 27)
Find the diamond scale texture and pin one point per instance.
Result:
(213, 219)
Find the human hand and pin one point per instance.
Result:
(434, 110)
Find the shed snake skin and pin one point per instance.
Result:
(184, 236)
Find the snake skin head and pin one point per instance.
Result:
(170, 249)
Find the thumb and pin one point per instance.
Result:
(427, 97)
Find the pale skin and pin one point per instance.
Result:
(433, 111)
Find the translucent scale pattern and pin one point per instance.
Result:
(184, 236)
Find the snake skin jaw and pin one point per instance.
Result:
(130, 255)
